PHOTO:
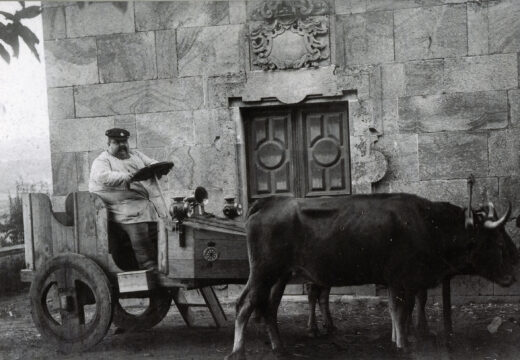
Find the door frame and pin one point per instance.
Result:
(239, 108)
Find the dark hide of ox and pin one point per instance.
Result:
(400, 240)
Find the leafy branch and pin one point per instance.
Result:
(11, 29)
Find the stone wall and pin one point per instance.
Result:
(435, 84)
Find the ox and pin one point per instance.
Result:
(320, 295)
(400, 240)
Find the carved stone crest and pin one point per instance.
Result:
(292, 35)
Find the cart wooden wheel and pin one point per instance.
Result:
(159, 302)
(71, 302)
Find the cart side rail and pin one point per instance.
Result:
(45, 236)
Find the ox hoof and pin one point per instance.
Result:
(330, 330)
(313, 333)
(239, 355)
(281, 353)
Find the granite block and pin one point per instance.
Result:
(237, 12)
(71, 62)
(214, 127)
(481, 73)
(97, 18)
(453, 191)
(215, 167)
(393, 80)
(504, 26)
(504, 152)
(139, 97)
(430, 32)
(165, 129)
(209, 50)
(350, 6)
(64, 173)
(478, 28)
(221, 88)
(75, 135)
(53, 20)
(513, 97)
(128, 122)
(161, 15)
(401, 153)
(453, 112)
(60, 103)
(390, 116)
(127, 57)
(379, 5)
(509, 186)
(424, 77)
(166, 48)
(368, 38)
(452, 155)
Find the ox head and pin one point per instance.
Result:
(493, 254)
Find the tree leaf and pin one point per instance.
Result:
(29, 38)
(4, 54)
(8, 16)
(27, 13)
(10, 36)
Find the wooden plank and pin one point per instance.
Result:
(101, 226)
(62, 237)
(201, 269)
(28, 231)
(86, 225)
(228, 246)
(42, 229)
(162, 247)
(182, 304)
(213, 227)
(226, 269)
(133, 281)
(214, 306)
(26, 275)
(181, 269)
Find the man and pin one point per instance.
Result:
(130, 210)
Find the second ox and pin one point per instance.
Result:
(399, 240)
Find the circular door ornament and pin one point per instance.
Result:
(210, 254)
(271, 155)
(326, 152)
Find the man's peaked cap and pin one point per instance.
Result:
(117, 133)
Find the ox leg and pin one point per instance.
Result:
(251, 298)
(313, 292)
(446, 306)
(325, 310)
(271, 316)
(399, 307)
(422, 323)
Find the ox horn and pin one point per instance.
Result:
(490, 224)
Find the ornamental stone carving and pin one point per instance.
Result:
(291, 34)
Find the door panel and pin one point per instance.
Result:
(269, 154)
(326, 152)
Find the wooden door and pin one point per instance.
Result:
(299, 151)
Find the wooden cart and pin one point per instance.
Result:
(77, 276)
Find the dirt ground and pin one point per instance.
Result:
(364, 332)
